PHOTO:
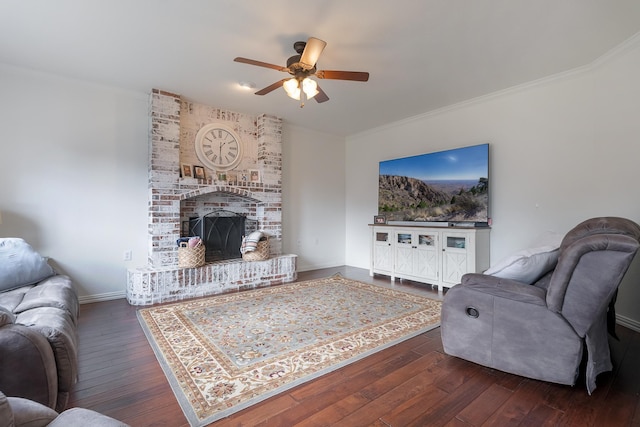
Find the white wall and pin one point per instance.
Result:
(313, 197)
(73, 180)
(562, 150)
(73, 175)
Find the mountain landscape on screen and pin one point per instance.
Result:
(450, 185)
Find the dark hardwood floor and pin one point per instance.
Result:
(411, 384)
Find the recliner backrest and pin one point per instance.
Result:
(594, 257)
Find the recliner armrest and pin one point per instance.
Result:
(28, 367)
(504, 288)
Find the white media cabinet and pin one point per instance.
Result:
(438, 256)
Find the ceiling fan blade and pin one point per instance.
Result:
(321, 96)
(312, 52)
(271, 88)
(261, 64)
(359, 76)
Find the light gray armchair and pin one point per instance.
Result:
(540, 330)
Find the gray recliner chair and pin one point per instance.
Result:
(540, 330)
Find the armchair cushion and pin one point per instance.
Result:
(20, 412)
(27, 413)
(504, 288)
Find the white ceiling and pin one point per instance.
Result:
(421, 54)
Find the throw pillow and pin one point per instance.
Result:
(20, 265)
(527, 265)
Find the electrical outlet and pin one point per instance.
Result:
(128, 255)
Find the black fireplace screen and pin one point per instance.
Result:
(221, 232)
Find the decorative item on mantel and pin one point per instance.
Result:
(191, 252)
(255, 247)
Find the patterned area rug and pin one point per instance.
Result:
(224, 353)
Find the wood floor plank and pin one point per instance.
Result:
(543, 416)
(330, 415)
(412, 383)
(414, 404)
(514, 411)
(261, 413)
(356, 375)
(395, 389)
(478, 411)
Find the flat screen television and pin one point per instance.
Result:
(445, 186)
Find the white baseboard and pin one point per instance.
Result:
(628, 323)
(87, 299)
(301, 268)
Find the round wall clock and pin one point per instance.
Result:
(218, 147)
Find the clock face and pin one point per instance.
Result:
(218, 147)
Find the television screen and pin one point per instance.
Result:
(451, 186)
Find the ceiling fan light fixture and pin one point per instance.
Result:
(310, 87)
(292, 88)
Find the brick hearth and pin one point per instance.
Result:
(152, 286)
(172, 199)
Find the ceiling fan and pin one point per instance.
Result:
(301, 67)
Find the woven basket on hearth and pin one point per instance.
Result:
(190, 257)
(260, 254)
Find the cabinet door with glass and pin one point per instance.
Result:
(426, 260)
(455, 256)
(416, 254)
(382, 253)
(404, 252)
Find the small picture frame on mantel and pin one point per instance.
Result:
(379, 219)
(186, 171)
(198, 172)
(254, 175)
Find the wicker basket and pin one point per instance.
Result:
(190, 257)
(260, 254)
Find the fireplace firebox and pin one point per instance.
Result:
(221, 232)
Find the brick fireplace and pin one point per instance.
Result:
(174, 198)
